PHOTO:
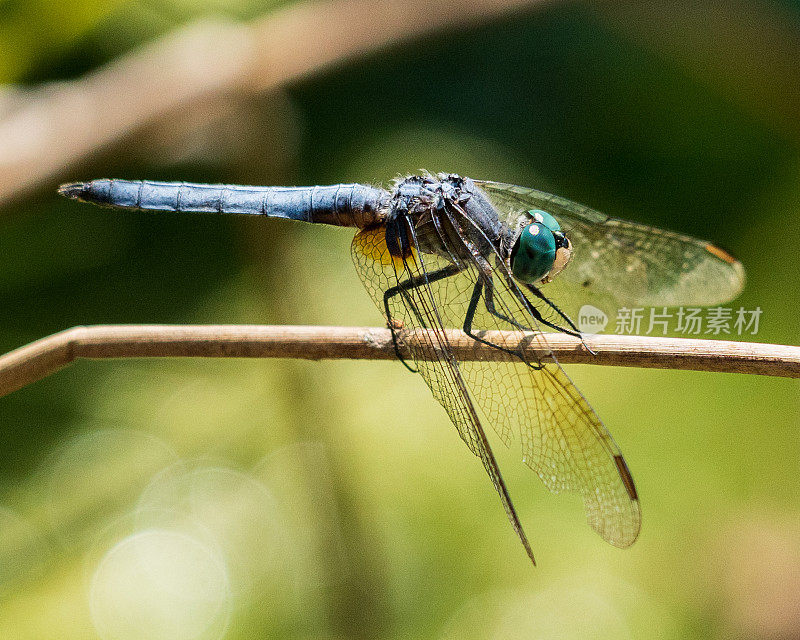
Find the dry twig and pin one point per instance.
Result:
(48, 355)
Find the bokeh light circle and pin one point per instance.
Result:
(160, 584)
(237, 512)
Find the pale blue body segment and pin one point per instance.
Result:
(355, 205)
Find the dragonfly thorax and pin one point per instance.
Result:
(441, 215)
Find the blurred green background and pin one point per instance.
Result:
(242, 499)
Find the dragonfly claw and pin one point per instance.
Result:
(587, 347)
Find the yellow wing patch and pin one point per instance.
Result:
(371, 243)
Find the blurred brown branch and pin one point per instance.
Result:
(39, 359)
(45, 131)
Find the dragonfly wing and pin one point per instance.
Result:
(419, 309)
(625, 262)
(563, 440)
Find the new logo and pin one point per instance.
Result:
(591, 320)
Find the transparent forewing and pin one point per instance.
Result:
(562, 438)
(624, 262)
(417, 309)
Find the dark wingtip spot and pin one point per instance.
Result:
(627, 479)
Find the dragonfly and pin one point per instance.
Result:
(499, 262)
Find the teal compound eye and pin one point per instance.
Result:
(534, 253)
(545, 218)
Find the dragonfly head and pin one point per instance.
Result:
(541, 250)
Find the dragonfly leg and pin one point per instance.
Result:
(489, 302)
(575, 331)
(403, 288)
(537, 292)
